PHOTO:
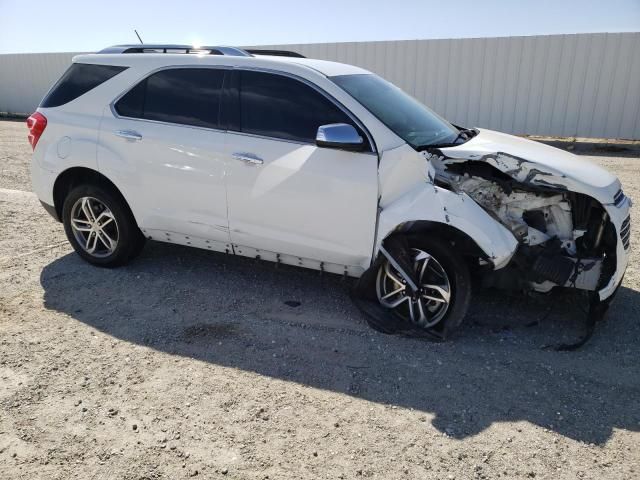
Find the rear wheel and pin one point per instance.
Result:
(100, 226)
(444, 287)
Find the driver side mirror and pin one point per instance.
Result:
(339, 135)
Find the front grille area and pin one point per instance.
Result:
(618, 198)
(625, 232)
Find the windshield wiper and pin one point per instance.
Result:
(465, 134)
(436, 145)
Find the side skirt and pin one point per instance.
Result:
(234, 249)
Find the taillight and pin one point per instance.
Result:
(36, 124)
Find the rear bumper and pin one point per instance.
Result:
(620, 217)
(42, 181)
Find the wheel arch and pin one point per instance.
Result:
(448, 213)
(75, 176)
(470, 250)
(465, 244)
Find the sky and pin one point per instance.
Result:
(85, 26)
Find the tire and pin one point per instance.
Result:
(100, 226)
(437, 312)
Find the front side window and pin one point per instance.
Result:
(404, 115)
(78, 80)
(187, 96)
(282, 107)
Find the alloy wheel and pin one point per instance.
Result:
(94, 227)
(425, 308)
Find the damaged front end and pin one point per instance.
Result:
(564, 238)
(572, 232)
(520, 214)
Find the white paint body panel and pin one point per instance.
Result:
(76, 129)
(304, 201)
(173, 178)
(401, 170)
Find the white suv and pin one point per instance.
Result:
(320, 165)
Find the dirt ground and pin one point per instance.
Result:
(190, 364)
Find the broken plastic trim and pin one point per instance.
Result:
(406, 276)
(595, 314)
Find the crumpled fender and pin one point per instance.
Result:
(429, 202)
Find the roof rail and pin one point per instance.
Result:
(162, 48)
(277, 53)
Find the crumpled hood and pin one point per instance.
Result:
(536, 163)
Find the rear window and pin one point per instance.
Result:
(187, 96)
(78, 80)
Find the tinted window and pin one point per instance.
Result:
(282, 107)
(78, 80)
(409, 119)
(190, 96)
(132, 104)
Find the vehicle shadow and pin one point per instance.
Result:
(298, 326)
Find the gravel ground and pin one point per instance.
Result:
(15, 154)
(190, 364)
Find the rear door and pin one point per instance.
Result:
(287, 195)
(162, 142)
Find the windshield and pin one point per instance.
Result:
(416, 124)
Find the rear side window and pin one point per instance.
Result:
(188, 96)
(283, 107)
(78, 80)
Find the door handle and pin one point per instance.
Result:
(128, 134)
(248, 158)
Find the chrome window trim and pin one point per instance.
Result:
(373, 148)
(288, 140)
(148, 74)
(275, 139)
(170, 124)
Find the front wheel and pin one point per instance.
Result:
(444, 287)
(100, 226)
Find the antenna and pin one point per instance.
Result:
(137, 35)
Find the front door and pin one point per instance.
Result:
(285, 194)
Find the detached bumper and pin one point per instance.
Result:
(621, 218)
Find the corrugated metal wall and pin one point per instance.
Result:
(585, 85)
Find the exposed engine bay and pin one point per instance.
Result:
(565, 238)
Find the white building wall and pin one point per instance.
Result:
(585, 85)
